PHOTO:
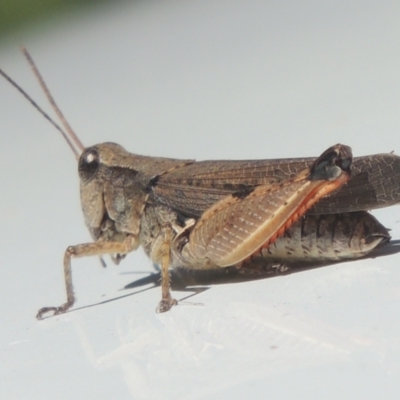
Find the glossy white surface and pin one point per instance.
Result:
(204, 80)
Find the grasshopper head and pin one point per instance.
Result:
(111, 197)
(93, 168)
(91, 189)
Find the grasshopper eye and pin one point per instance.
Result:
(88, 164)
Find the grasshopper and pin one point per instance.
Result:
(215, 214)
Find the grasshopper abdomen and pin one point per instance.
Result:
(328, 237)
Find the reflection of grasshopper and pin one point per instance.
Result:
(211, 214)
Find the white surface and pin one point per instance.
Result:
(200, 80)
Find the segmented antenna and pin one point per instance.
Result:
(71, 138)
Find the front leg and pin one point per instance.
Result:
(85, 250)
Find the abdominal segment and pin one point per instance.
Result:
(328, 237)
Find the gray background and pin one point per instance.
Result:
(204, 80)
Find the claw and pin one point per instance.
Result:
(56, 310)
(166, 304)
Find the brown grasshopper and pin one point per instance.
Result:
(213, 214)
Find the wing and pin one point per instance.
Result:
(375, 183)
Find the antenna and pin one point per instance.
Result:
(71, 138)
